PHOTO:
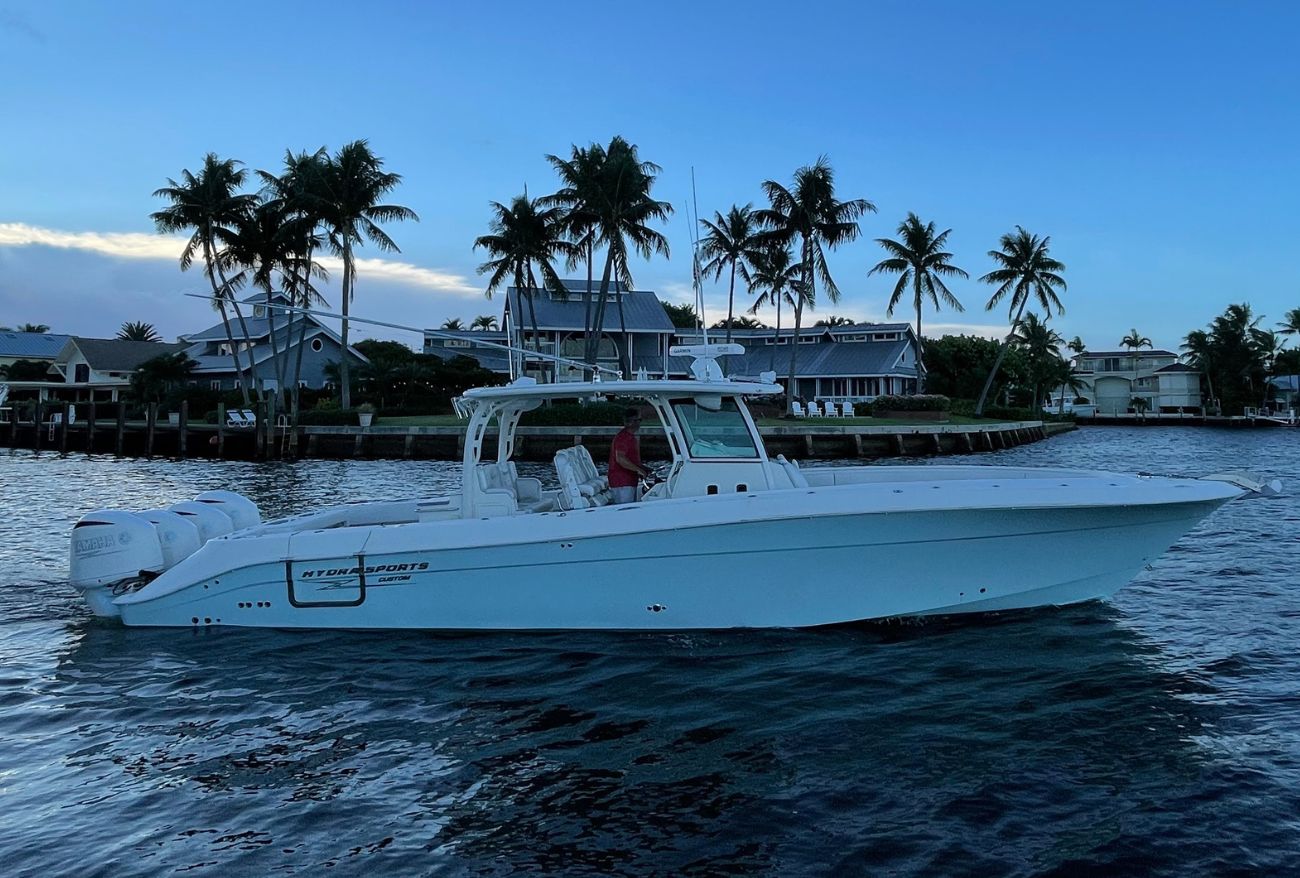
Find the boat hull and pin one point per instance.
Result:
(791, 571)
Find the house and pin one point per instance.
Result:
(267, 334)
(1286, 391)
(853, 363)
(30, 346)
(1111, 380)
(636, 331)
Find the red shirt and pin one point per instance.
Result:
(625, 442)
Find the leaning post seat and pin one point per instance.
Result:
(580, 488)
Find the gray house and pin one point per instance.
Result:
(854, 363)
(320, 347)
(636, 331)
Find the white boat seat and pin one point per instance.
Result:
(792, 472)
(581, 485)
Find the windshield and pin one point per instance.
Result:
(723, 433)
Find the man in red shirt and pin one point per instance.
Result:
(625, 460)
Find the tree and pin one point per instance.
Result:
(1076, 346)
(524, 236)
(958, 364)
(809, 212)
(1290, 324)
(1025, 270)
(26, 370)
(742, 322)
(1140, 404)
(138, 332)
(774, 277)
(484, 322)
(1041, 345)
(682, 316)
(353, 181)
(453, 324)
(299, 195)
(607, 195)
(33, 327)
(1268, 347)
(729, 243)
(1199, 354)
(832, 321)
(579, 193)
(921, 263)
(154, 377)
(208, 205)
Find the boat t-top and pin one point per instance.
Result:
(731, 537)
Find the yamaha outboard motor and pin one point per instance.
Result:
(112, 550)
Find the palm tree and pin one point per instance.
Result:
(138, 332)
(607, 196)
(33, 327)
(729, 243)
(1025, 270)
(453, 324)
(525, 235)
(1267, 344)
(208, 205)
(1076, 346)
(1132, 343)
(1199, 348)
(484, 322)
(298, 193)
(741, 322)
(833, 320)
(774, 274)
(1290, 324)
(1041, 345)
(809, 212)
(578, 196)
(920, 262)
(353, 182)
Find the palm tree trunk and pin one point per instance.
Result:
(776, 335)
(587, 315)
(532, 317)
(345, 372)
(731, 298)
(917, 281)
(598, 325)
(1002, 354)
(800, 299)
(218, 294)
(248, 344)
(275, 351)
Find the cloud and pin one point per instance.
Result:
(137, 245)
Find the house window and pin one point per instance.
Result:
(214, 385)
(456, 343)
(81, 374)
(317, 345)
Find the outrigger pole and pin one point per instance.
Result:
(563, 361)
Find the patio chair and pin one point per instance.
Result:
(814, 409)
(797, 409)
(846, 410)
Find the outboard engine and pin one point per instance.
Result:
(178, 535)
(108, 548)
(207, 517)
(242, 511)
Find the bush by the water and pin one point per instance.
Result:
(921, 402)
(595, 414)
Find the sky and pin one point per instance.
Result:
(1155, 143)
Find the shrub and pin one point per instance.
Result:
(922, 402)
(329, 417)
(571, 414)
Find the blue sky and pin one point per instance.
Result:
(1156, 143)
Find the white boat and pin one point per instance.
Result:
(730, 538)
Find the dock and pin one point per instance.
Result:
(104, 429)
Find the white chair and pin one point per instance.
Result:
(798, 410)
(832, 410)
(240, 419)
(814, 409)
(578, 490)
(846, 410)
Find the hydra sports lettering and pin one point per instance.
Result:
(368, 570)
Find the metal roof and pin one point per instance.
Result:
(1176, 367)
(1092, 355)
(567, 389)
(642, 311)
(31, 345)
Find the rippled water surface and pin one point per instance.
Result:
(1157, 734)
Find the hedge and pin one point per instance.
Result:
(923, 402)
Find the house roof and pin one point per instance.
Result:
(1286, 382)
(497, 361)
(31, 345)
(642, 311)
(116, 355)
(1176, 367)
(264, 351)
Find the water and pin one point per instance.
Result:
(1158, 734)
